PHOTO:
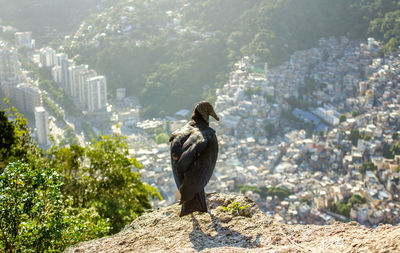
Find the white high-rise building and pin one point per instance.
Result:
(62, 61)
(68, 84)
(9, 68)
(83, 85)
(24, 39)
(27, 97)
(121, 92)
(48, 57)
(42, 126)
(97, 93)
(75, 73)
(56, 74)
(60, 57)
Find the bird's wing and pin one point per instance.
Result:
(192, 148)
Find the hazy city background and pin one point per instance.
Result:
(307, 91)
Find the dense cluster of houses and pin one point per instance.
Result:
(353, 109)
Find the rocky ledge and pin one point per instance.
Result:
(235, 224)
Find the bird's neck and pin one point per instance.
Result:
(196, 117)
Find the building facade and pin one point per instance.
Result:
(9, 69)
(24, 39)
(97, 94)
(42, 126)
(27, 97)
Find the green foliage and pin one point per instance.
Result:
(271, 130)
(355, 113)
(18, 141)
(366, 137)
(387, 153)
(342, 118)
(57, 17)
(170, 67)
(270, 98)
(367, 166)
(280, 192)
(74, 193)
(30, 208)
(106, 181)
(255, 189)
(7, 137)
(354, 136)
(344, 207)
(162, 138)
(234, 207)
(395, 148)
(87, 130)
(154, 131)
(81, 225)
(341, 208)
(387, 27)
(253, 90)
(305, 200)
(69, 135)
(356, 199)
(52, 108)
(34, 215)
(298, 103)
(46, 82)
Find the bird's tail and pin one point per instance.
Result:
(198, 203)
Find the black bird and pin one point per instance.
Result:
(194, 151)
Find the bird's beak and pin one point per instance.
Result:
(215, 116)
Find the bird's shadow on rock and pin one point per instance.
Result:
(221, 237)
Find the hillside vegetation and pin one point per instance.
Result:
(171, 53)
(49, 20)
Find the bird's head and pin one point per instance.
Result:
(205, 109)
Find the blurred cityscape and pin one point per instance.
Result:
(323, 126)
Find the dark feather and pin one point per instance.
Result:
(194, 151)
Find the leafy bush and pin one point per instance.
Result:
(17, 140)
(305, 200)
(366, 137)
(280, 192)
(367, 166)
(75, 193)
(53, 109)
(356, 199)
(34, 216)
(234, 208)
(7, 137)
(107, 180)
(344, 207)
(342, 118)
(298, 103)
(355, 113)
(395, 148)
(271, 130)
(253, 90)
(162, 138)
(30, 208)
(81, 225)
(354, 136)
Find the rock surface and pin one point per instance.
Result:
(239, 227)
